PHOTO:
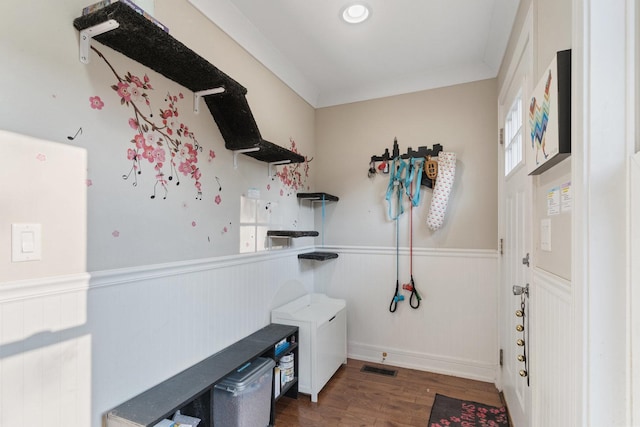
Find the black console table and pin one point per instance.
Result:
(191, 391)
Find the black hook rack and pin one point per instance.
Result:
(422, 152)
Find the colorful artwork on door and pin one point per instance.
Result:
(549, 116)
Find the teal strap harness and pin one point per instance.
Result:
(396, 181)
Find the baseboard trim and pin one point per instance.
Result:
(463, 368)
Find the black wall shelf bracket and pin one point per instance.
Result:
(88, 33)
(199, 94)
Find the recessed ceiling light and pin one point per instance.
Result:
(356, 13)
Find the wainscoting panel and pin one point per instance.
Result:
(454, 330)
(45, 354)
(552, 345)
(67, 356)
(73, 348)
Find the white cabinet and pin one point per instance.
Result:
(322, 323)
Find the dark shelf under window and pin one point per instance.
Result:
(292, 233)
(318, 197)
(318, 255)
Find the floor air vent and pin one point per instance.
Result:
(379, 371)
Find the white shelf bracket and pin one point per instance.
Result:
(244, 150)
(201, 93)
(281, 162)
(88, 33)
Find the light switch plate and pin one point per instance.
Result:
(26, 242)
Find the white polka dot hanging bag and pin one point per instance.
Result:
(442, 190)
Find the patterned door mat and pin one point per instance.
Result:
(450, 412)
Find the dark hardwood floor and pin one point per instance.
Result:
(355, 398)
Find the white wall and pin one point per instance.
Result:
(51, 90)
(462, 118)
(167, 286)
(44, 347)
(453, 331)
(455, 267)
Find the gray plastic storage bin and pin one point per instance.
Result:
(243, 398)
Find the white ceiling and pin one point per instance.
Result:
(405, 45)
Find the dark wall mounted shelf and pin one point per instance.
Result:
(292, 233)
(141, 40)
(323, 198)
(318, 255)
(318, 197)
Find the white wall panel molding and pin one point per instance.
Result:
(148, 272)
(35, 288)
(460, 367)
(417, 252)
(559, 286)
(453, 331)
(552, 341)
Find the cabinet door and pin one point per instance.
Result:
(331, 347)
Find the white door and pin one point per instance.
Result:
(515, 232)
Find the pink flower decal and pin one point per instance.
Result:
(89, 183)
(165, 142)
(123, 90)
(158, 155)
(41, 157)
(218, 199)
(115, 233)
(136, 81)
(193, 223)
(292, 176)
(96, 102)
(147, 153)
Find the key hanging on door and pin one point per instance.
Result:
(522, 314)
